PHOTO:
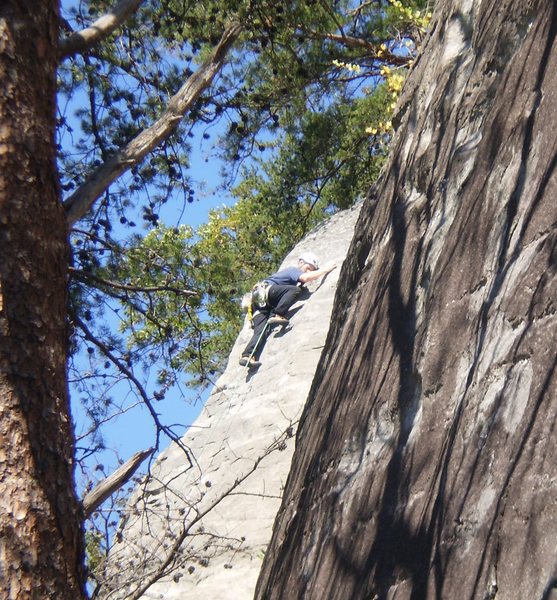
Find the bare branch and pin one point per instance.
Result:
(80, 41)
(84, 197)
(114, 482)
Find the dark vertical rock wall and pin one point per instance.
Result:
(425, 464)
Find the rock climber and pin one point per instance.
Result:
(271, 299)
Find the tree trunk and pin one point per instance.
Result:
(40, 536)
(425, 463)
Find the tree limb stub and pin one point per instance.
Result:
(81, 41)
(114, 482)
(85, 196)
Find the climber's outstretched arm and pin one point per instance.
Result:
(313, 275)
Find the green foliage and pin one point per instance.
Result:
(94, 550)
(331, 160)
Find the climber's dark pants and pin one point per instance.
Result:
(280, 299)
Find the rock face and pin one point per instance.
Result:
(425, 461)
(207, 525)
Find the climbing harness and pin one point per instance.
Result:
(260, 293)
(258, 298)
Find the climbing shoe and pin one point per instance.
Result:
(278, 320)
(246, 361)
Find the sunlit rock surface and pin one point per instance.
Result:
(244, 435)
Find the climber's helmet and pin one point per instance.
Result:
(310, 259)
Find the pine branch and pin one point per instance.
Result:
(136, 383)
(356, 42)
(90, 278)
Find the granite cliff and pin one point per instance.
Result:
(199, 526)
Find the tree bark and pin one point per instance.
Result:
(41, 549)
(425, 461)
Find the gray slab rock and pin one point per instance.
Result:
(241, 446)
